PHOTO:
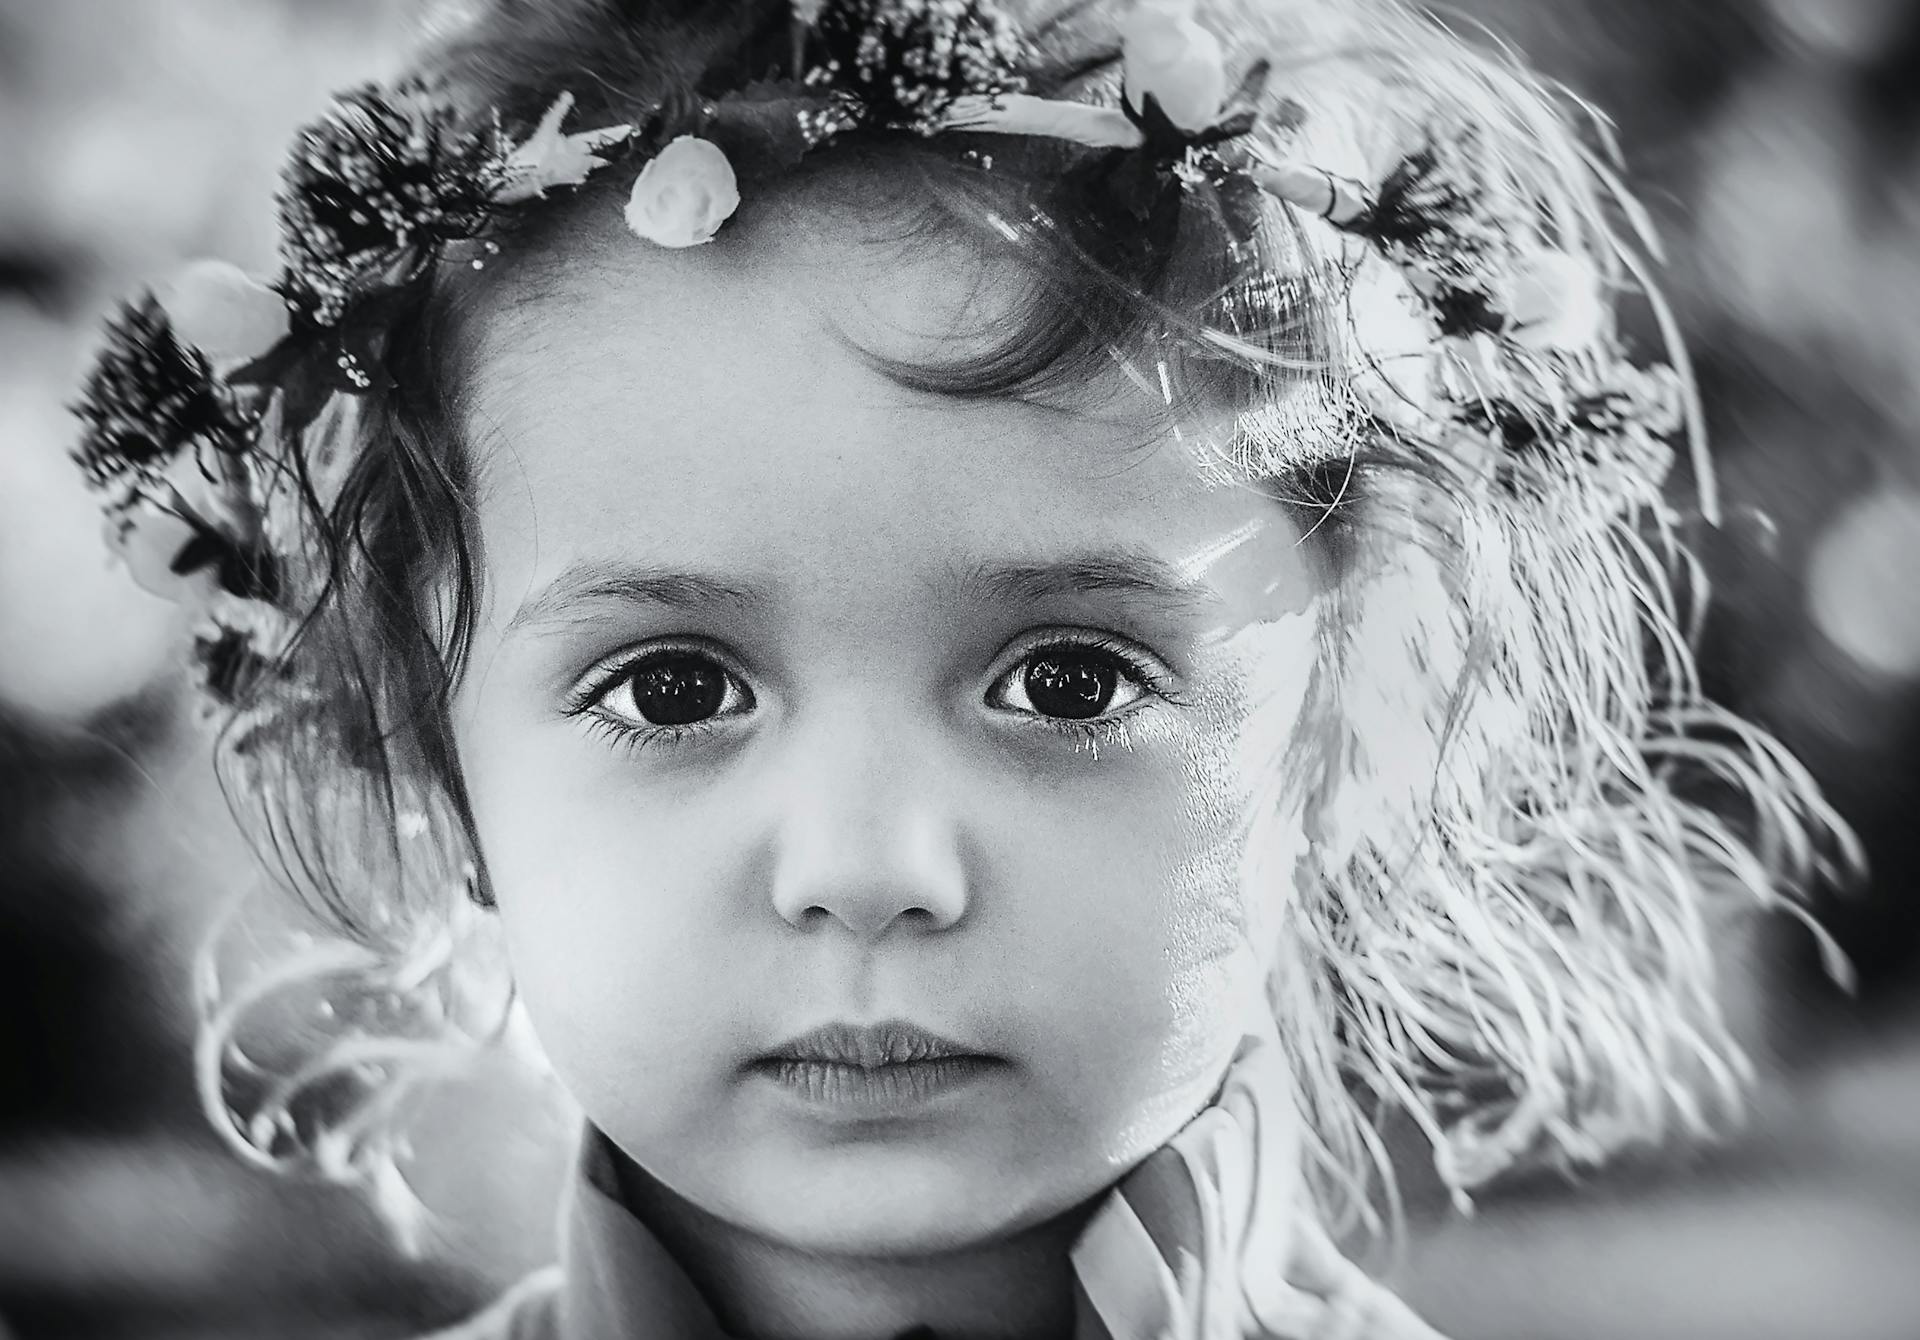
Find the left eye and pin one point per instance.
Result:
(1071, 682)
(675, 688)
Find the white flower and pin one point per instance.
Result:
(224, 312)
(151, 532)
(147, 538)
(1554, 301)
(1169, 55)
(548, 158)
(683, 194)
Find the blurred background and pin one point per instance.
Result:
(1777, 143)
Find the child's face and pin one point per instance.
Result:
(878, 619)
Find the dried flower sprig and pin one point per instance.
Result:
(149, 398)
(905, 62)
(371, 188)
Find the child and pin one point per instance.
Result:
(1023, 618)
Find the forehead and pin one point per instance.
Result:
(722, 407)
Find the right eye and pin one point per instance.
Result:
(665, 690)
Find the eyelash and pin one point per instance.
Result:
(1090, 734)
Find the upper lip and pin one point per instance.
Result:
(889, 1042)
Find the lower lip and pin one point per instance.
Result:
(900, 1087)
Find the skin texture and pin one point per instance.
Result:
(876, 826)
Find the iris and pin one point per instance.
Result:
(1074, 687)
(678, 690)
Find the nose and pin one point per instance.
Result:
(866, 841)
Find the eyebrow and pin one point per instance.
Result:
(1139, 577)
(1142, 577)
(587, 584)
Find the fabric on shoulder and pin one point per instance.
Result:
(527, 1311)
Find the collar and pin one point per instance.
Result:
(619, 1280)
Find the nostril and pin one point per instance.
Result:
(917, 918)
(869, 916)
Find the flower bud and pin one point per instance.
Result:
(1169, 55)
(1554, 301)
(147, 539)
(224, 312)
(683, 194)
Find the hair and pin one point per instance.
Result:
(1525, 815)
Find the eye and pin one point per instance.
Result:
(667, 689)
(1075, 680)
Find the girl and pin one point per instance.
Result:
(1023, 619)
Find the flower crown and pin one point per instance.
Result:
(194, 383)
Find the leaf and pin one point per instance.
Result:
(1229, 127)
(548, 158)
(206, 549)
(304, 392)
(1252, 86)
(1164, 141)
(269, 367)
(761, 127)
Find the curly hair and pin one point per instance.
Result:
(1524, 814)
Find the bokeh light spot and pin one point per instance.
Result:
(1863, 586)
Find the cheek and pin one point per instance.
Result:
(1239, 836)
(615, 958)
(1164, 942)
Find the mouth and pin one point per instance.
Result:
(873, 1069)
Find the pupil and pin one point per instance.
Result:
(1072, 687)
(678, 690)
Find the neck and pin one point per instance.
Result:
(1019, 1288)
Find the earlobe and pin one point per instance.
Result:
(479, 885)
(480, 889)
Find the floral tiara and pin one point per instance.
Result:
(193, 383)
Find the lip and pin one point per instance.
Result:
(891, 1067)
(870, 1046)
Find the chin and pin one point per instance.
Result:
(889, 1202)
